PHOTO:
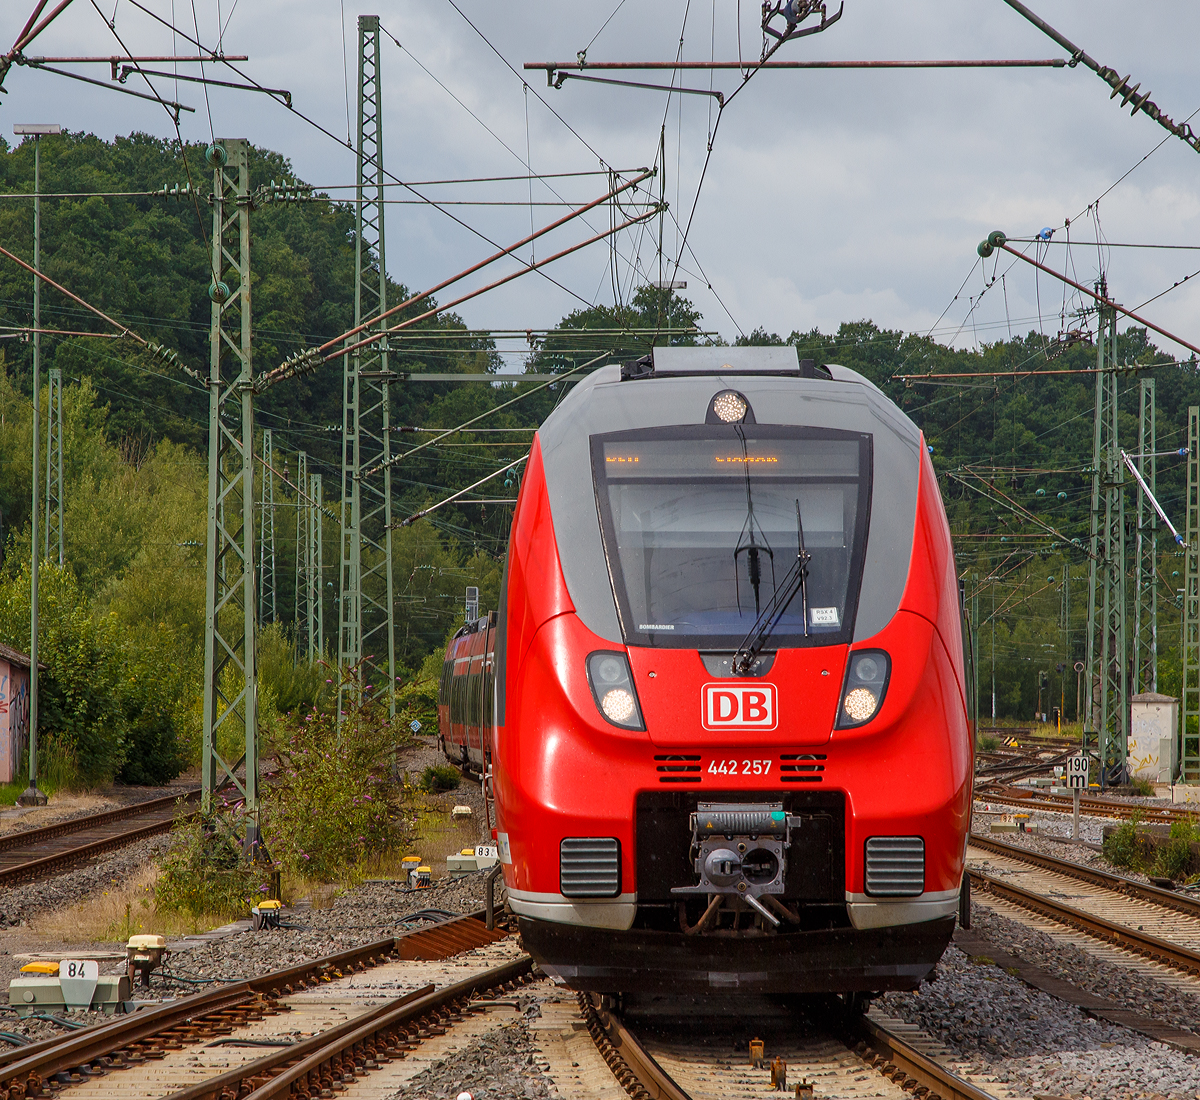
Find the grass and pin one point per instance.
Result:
(125, 909)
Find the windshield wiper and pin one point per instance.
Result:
(752, 549)
(764, 626)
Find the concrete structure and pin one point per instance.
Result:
(1153, 740)
(14, 710)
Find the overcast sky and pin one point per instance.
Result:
(829, 197)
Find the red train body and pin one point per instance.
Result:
(722, 707)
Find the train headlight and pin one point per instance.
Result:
(612, 688)
(866, 684)
(730, 407)
(617, 705)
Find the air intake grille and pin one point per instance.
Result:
(895, 866)
(589, 867)
(679, 769)
(802, 767)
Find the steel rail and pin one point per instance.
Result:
(882, 1050)
(1094, 807)
(632, 1065)
(907, 1066)
(1168, 899)
(24, 1069)
(1151, 947)
(232, 1080)
(61, 860)
(323, 1062)
(77, 824)
(200, 1005)
(25, 1075)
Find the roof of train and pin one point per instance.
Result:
(678, 391)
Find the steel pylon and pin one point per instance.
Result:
(1145, 596)
(1190, 716)
(53, 546)
(315, 564)
(230, 666)
(300, 603)
(1106, 721)
(267, 610)
(366, 628)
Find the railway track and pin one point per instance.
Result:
(1156, 924)
(1090, 806)
(160, 1043)
(302, 1033)
(37, 852)
(677, 1061)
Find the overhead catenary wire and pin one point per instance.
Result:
(475, 485)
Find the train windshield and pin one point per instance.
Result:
(702, 525)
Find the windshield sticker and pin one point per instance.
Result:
(647, 627)
(824, 616)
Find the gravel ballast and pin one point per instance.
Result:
(1038, 1044)
(501, 1065)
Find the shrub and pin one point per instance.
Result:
(1174, 858)
(77, 693)
(440, 777)
(335, 802)
(285, 681)
(988, 743)
(153, 694)
(204, 871)
(417, 699)
(1142, 786)
(1124, 848)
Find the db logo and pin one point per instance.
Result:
(734, 706)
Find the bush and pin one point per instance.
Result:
(1141, 786)
(417, 699)
(284, 681)
(78, 704)
(1124, 848)
(440, 777)
(335, 802)
(153, 693)
(205, 873)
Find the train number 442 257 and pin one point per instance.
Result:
(739, 767)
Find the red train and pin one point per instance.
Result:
(722, 709)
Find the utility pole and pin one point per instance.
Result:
(267, 610)
(31, 796)
(1190, 709)
(1106, 723)
(230, 665)
(300, 602)
(315, 558)
(54, 470)
(1145, 597)
(366, 628)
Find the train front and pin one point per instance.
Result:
(731, 746)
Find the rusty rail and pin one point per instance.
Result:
(144, 1034)
(907, 1066)
(1151, 947)
(1168, 899)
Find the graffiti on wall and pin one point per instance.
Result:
(14, 721)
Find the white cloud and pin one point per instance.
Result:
(830, 196)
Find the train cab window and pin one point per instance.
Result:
(702, 525)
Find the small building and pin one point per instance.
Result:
(1153, 737)
(14, 710)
